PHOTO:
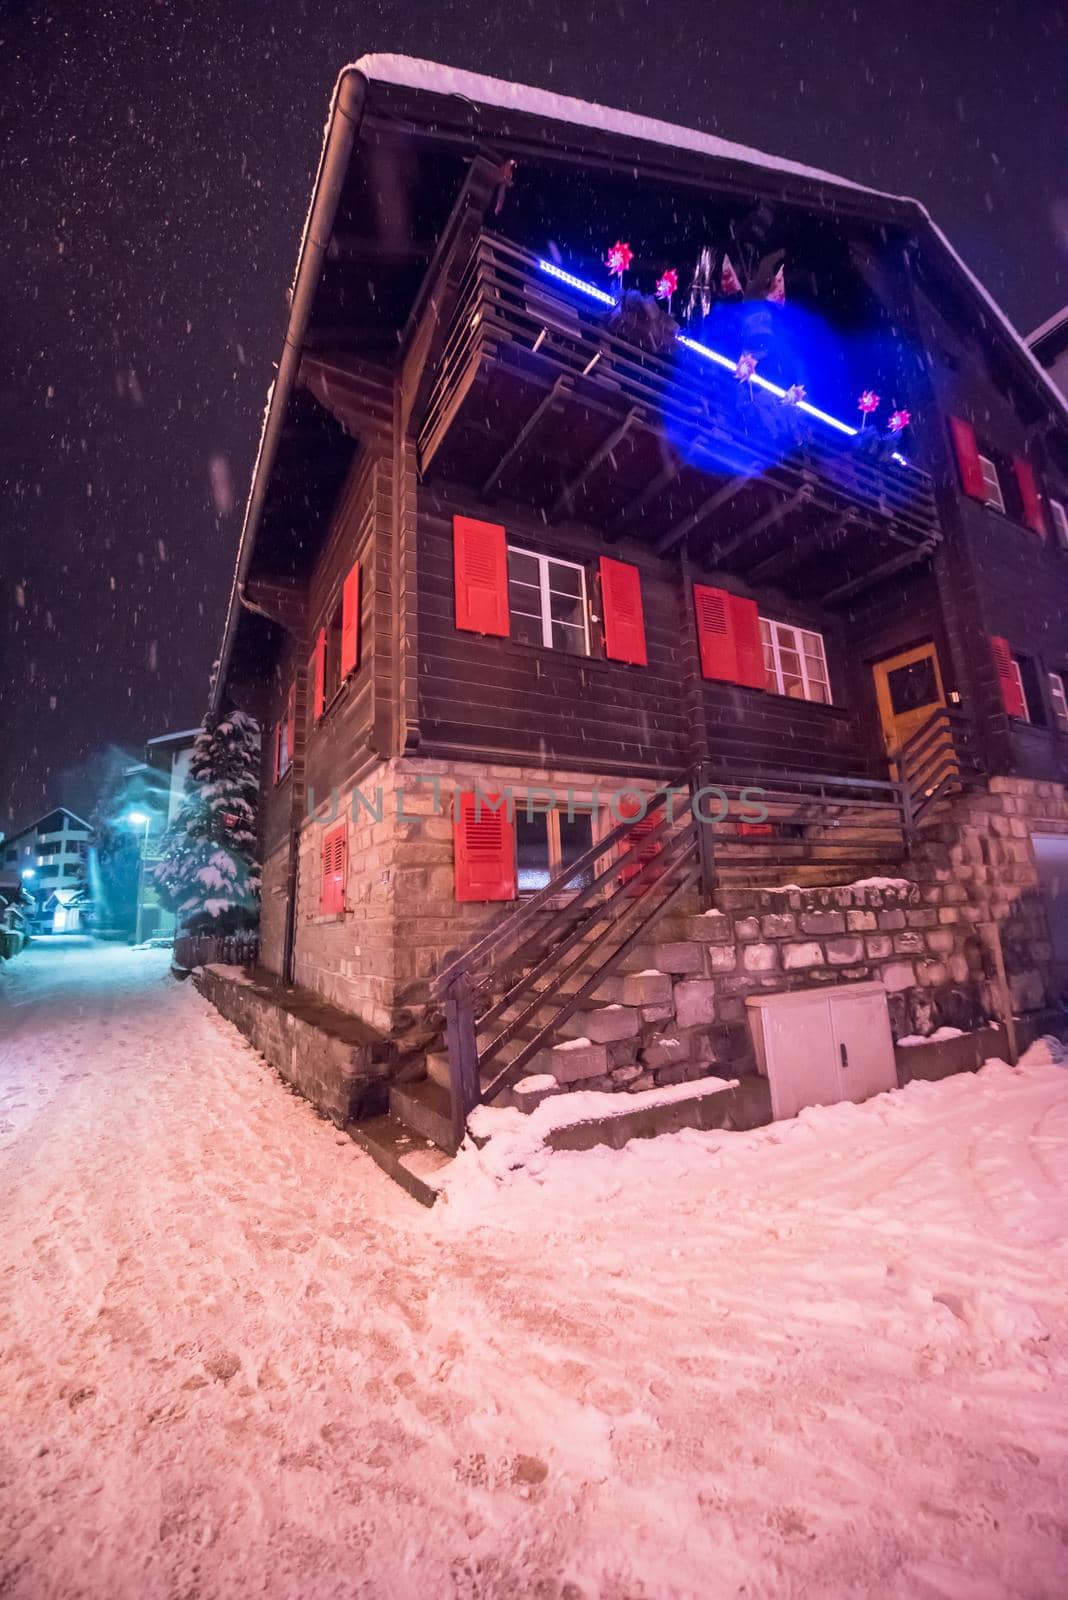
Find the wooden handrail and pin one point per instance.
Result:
(526, 912)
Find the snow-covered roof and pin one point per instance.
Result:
(412, 73)
(434, 78)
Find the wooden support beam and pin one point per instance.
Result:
(542, 409)
(645, 497)
(687, 524)
(565, 499)
(280, 600)
(774, 514)
(885, 569)
(782, 560)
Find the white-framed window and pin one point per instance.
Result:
(546, 841)
(1018, 676)
(795, 662)
(992, 483)
(1059, 700)
(1060, 522)
(547, 602)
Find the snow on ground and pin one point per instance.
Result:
(827, 1358)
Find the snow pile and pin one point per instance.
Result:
(931, 1038)
(826, 1358)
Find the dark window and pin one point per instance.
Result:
(546, 842)
(912, 686)
(332, 665)
(1058, 694)
(1036, 711)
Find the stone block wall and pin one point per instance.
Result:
(683, 993)
(401, 919)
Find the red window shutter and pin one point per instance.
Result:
(748, 649)
(334, 867)
(728, 631)
(715, 634)
(291, 722)
(636, 854)
(480, 565)
(484, 843)
(318, 666)
(350, 621)
(967, 452)
(277, 751)
(1011, 697)
(621, 604)
(1032, 506)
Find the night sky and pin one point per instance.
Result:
(162, 156)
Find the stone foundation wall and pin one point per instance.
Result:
(401, 918)
(334, 1060)
(924, 938)
(982, 854)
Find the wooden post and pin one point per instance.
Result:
(1004, 993)
(706, 844)
(462, 1044)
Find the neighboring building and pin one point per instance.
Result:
(15, 908)
(50, 858)
(164, 774)
(1050, 345)
(508, 531)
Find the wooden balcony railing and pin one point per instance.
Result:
(532, 396)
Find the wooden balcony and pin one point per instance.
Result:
(534, 400)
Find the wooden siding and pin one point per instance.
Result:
(1005, 579)
(337, 744)
(497, 699)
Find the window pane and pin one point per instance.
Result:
(569, 639)
(576, 836)
(524, 597)
(531, 849)
(564, 580)
(566, 608)
(792, 686)
(523, 568)
(526, 630)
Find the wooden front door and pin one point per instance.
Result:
(908, 687)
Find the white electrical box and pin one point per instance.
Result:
(817, 1046)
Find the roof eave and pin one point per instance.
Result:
(343, 123)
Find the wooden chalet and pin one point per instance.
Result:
(516, 526)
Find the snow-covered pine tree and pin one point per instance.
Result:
(209, 873)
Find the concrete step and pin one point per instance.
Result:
(405, 1156)
(704, 1103)
(425, 1108)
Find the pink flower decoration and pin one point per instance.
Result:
(619, 258)
(746, 366)
(667, 285)
(868, 402)
(899, 420)
(795, 394)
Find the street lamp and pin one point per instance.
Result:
(138, 819)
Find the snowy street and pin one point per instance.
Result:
(828, 1358)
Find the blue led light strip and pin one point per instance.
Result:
(606, 299)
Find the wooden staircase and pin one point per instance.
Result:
(515, 1000)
